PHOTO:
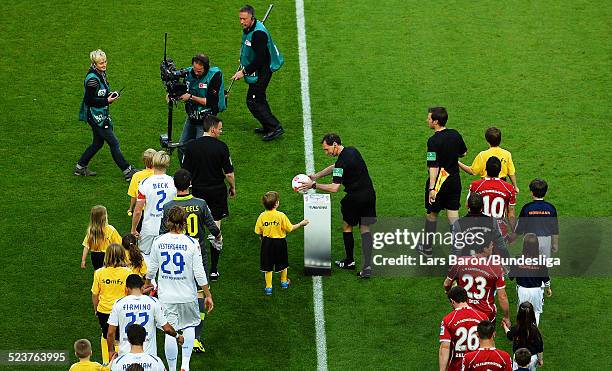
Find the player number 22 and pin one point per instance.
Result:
(478, 282)
(467, 339)
(132, 316)
(177, 260)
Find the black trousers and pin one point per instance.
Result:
(101, 135)
(257, 102)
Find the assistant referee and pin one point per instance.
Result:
(358, 206)
(444, 148)
(208, 160)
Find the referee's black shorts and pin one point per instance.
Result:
(216, 198)
(448, 198)
(273, 256)
(359, 208)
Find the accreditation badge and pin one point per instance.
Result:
(202, 85)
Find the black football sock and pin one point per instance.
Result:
(366, 252)
(214, 259)
(349, 245)
(430, 228)
(198, 329)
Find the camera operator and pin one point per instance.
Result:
(204, 96)
(94, 110)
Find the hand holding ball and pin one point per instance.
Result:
(299, 181)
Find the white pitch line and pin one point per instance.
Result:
(317, 283)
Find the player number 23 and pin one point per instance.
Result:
(479, 284)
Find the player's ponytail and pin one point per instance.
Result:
(97, 223)
(130, 244)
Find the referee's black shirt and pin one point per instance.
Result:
(448, 146)
(208, 160)
(351, 171)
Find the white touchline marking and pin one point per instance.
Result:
(317, 283)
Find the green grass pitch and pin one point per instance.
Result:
(539, 70)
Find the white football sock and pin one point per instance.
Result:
(189, 335)
(171, 348)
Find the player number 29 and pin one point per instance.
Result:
(177, 259)
(495, 208)
(467, 339)
(478, 282)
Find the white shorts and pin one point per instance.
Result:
(534, 295)
(145, 244)
(182, 315)
(545, 243)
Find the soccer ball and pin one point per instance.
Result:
(298, 180)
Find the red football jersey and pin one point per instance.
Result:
(487, 359)
(480, 280)
(497, 196)
(459, 328)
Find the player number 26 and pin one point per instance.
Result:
(467, 339)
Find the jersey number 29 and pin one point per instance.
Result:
(177, 259)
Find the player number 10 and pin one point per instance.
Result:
(494, 208)
(192, 225)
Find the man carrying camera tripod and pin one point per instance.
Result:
(204, 97)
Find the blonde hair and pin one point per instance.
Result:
(114, 256)
(147, 157)
(97, 56)
(161, 160)
(97, 223)
(82, 348)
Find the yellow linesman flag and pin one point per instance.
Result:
(442, 176)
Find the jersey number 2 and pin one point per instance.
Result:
(159, 205)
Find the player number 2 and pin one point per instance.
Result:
(177, 260)
(467, 339)
(480, 282)
(494, 208)
(159, 205)
(192, 225)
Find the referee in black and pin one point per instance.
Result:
(358, 207)
(208, 160)
(444, 148)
